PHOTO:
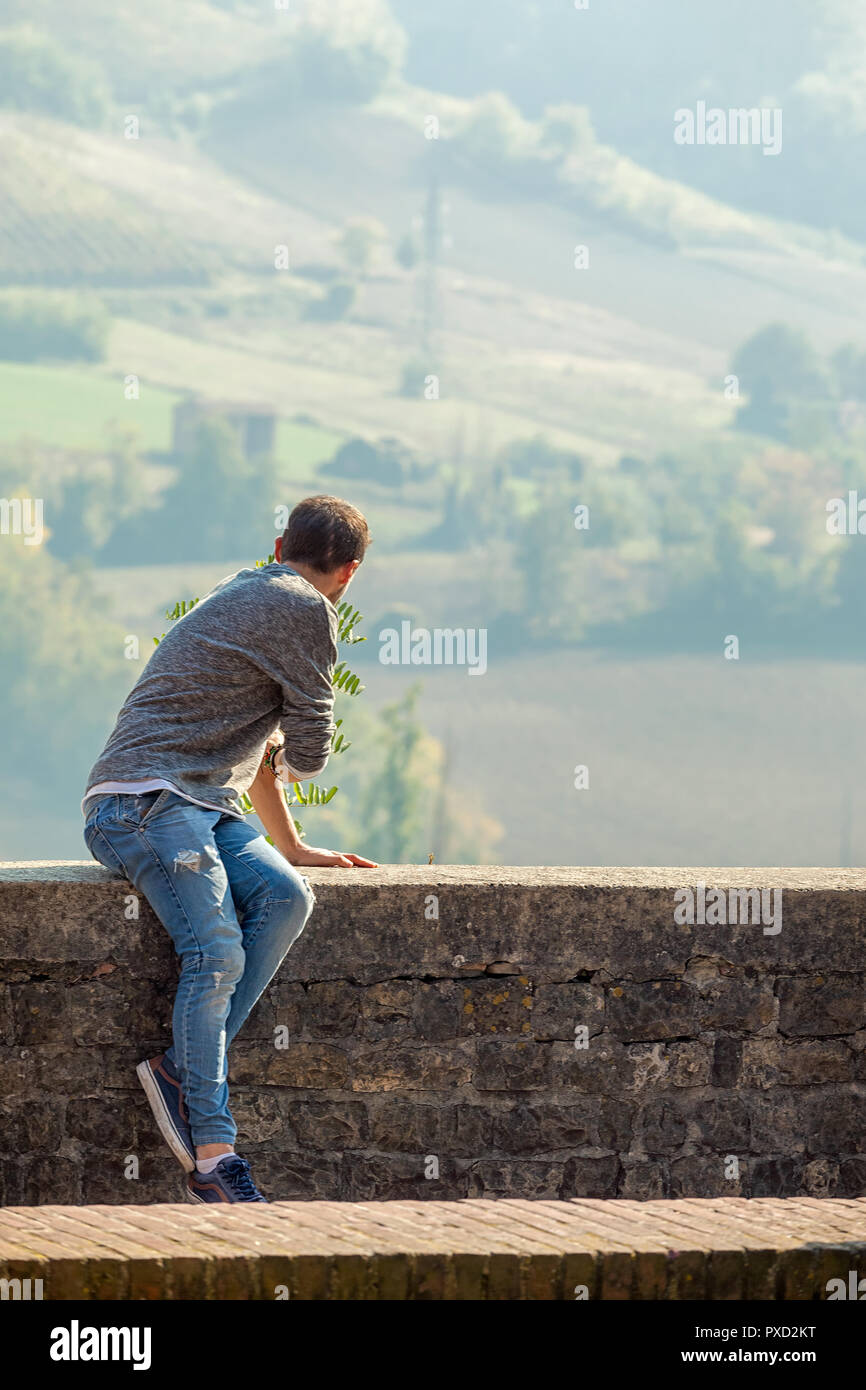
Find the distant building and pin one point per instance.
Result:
(255, 424)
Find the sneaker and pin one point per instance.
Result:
(230, 1181)
(166, 1101)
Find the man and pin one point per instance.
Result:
(236, 698)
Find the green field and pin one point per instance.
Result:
(299, 449)
(76, 408)
(73, 407)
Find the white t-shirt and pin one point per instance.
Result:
(153, 784)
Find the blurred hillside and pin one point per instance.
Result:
(458, 265)
(633, 65)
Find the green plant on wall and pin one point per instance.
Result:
(344, 681)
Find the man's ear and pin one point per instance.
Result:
(278, 550)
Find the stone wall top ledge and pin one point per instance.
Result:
(47, 871)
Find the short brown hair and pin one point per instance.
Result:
(325, 532)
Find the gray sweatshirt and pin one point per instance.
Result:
(256, 654)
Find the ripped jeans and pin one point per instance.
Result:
(231, 904)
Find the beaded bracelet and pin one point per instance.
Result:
(269, 760)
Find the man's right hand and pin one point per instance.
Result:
(308, 857)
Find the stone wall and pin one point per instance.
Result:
(430, 1017)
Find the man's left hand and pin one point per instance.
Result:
(308, 857)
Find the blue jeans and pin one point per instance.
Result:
(231, 904)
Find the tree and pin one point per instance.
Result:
(408, 252)
(494, 134)
(549, 557)
(849, 363)
(36, 74)
(525, 457)
(342, 52)
(567, 130)
(779, 371)
(38, 324)
(63, 660)
(100, 495)
(334, 304)
(401, 804)
(392, 808)
(359, 243)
